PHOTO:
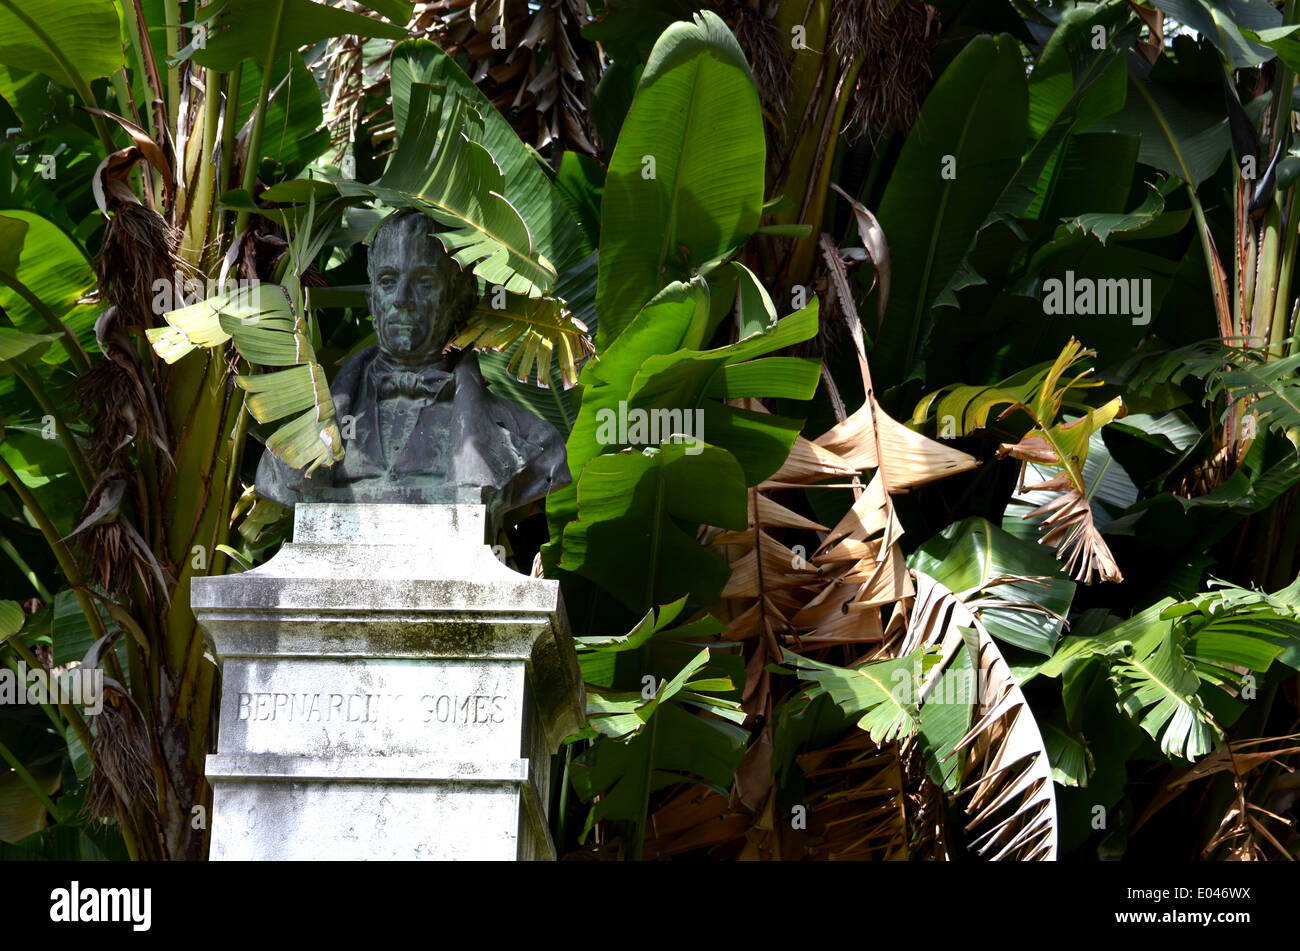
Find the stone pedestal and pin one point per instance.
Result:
(390, 690)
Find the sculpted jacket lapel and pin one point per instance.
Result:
(482, 460)
(364, 452)
(503, 455)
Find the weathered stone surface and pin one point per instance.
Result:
(389, 690)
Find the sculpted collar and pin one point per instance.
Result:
(420, 383)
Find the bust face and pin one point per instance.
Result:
(413, 291)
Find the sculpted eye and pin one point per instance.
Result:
(387, 281)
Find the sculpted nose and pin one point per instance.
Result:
(405, 295)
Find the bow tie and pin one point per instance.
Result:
(429, 382)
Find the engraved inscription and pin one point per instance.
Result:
(469, 709)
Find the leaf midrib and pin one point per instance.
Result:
(687, 129)
(923, 299)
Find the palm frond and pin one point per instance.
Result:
(1158, 689)
(267, 330)
(1272, 390)
(1006, 777)
(541, 327)
(443, 169)
(1042, 393)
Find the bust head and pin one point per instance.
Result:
(419, 295)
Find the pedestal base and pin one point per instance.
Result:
(389, 691)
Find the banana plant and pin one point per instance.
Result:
(1067, 520)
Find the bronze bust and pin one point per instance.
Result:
(419, 426)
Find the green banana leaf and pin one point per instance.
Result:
(70, 41)
(975, 556)
(528, 186)
(268, 30)
(685, 182)
(630, 507)
(44, 277)
(1158, 689)
(973, 127)
(267, 330)
(885, 693)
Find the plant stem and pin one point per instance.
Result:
(1268, 254)
(1282, 305)
(562, 822)
(79, 84)
(199, 225)
(128, 837)
(259, 117)
(21, 771)
(71, 343)
(76, 455)
(7, 547)
(139, 31)
(1222, 307)
(234, 453)
(229, 132)
(171, 31)
(57, 546)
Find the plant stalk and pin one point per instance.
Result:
(57, 546)
(29, 781)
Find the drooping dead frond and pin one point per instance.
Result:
(1006, 778)
(1070, 529)
(1239, 757)
(114, 548)
(835, 597)
(343, 60)
(765, 53)
(809, 463)
(560, 76)
(530, 60)
(766, 588)
(122, 402)
(925, 807)
(876, 247)
(695, 819)
(1245, 829)
(844, 596)
(893, 38)
(123, 777)
(1244, 834)
(138, 255)
(853, 808)
(871, 438)
(856, 803)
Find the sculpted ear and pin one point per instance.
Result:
(466, 285)
(469, 283)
